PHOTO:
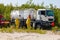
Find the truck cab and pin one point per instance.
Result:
(45, 17)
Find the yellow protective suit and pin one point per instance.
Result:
(28, 23)
(17, 22)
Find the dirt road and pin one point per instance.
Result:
(28, 36)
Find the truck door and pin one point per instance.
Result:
(43, 16)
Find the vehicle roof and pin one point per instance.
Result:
(43, 9)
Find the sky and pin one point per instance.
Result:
(20, 2)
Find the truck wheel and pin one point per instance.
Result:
(49, 28)
(37, 26)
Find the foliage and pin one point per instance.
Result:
(2, 8)
(12, 30)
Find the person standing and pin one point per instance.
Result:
(17, 23)
(28, 22)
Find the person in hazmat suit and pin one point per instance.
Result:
(28, 22)
(17, 23)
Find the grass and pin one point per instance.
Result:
(13, 29)
(54, 28)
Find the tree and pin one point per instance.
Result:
(51, 6)
(2, 8)
(29, 2)
(7, 11)
(42, 5)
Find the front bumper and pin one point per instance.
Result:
(44, 23)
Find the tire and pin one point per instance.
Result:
(37, 26)
(49, 28)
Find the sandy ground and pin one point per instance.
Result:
(29, 36)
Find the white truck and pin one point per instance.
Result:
(41, 18)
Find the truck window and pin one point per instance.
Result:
(50, 13)
(42, 12)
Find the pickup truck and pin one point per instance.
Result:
(3, 22)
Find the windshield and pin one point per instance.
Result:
(50, 13)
